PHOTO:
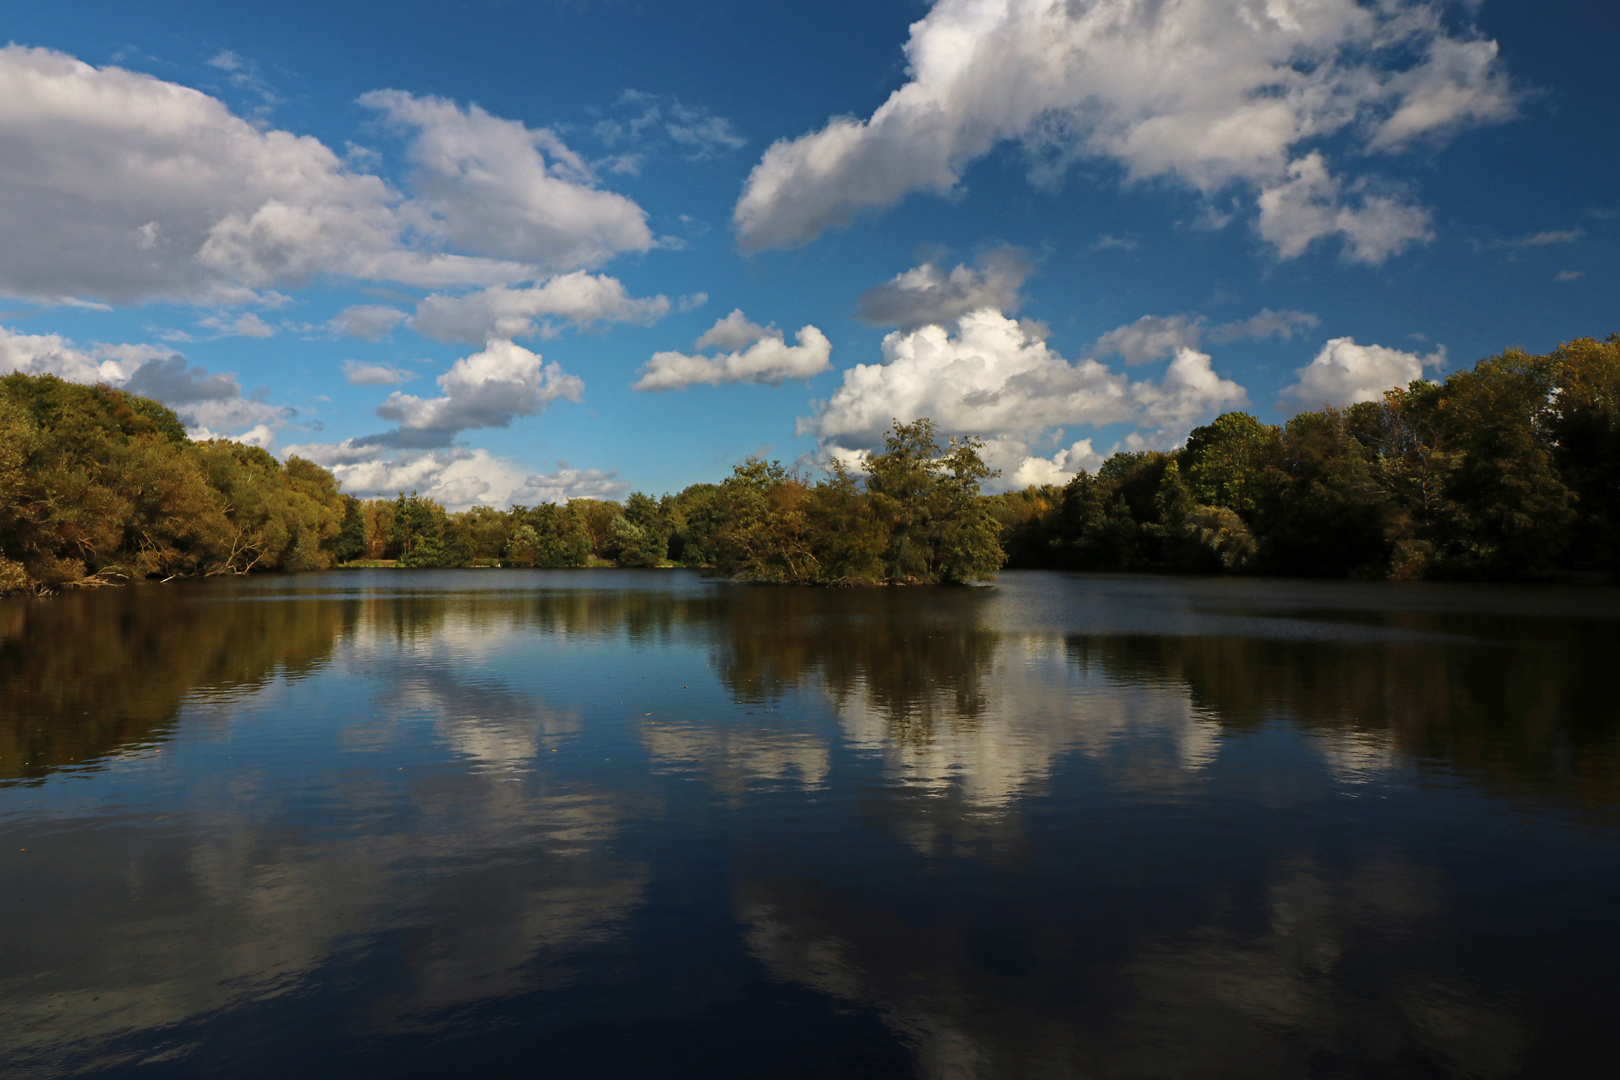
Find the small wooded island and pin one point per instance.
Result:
(1509, 470)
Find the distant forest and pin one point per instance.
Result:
(1507, 471)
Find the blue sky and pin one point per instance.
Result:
(497, 251)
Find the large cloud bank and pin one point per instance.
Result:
(120, 187)
(1211, 93)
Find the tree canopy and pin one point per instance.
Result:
(98, 485)
(1507, 470)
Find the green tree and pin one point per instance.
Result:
(847, 530)
(1028, 521)
(487, 530)
(350, 542)
(1195, 537)
(1322, 510)
(417, 530)
(1507, 514)
(276, 517)
(966, 537)
(1583, 427)
(598, 517)
(694, 521)
(1225, 460)
(940, 531)
(97, 485)
(548, 535)
(650, 545)
(1092, 527)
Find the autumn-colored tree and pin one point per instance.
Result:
(99, 485)
(764, 535)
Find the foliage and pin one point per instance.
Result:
(640, 536)
(1582, 426)
(1320, 506)
(598, 517)
(1507, 470)
(547, 535)
(694, 522)
(350, 542)
(1225, 461)
(424, 535)
(763, 532)
(917, 519)
(98, 485)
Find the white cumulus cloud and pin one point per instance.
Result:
(500, 188)
(1311, 203)
(53, 354)
(1060, 468)
(1152, 337)
(564, 483)
(734, 331)
(1209, 92)
(998, 379)
(485, 390)
(456, 476)
(759, 354)
(1344, 373)
(579, 298)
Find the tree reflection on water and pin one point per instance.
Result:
(1063, 826)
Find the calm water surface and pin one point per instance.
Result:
(640, 824)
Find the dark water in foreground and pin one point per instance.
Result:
(636, 824)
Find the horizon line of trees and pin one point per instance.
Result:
(1508, 470)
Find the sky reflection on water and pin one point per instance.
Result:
(623, 823)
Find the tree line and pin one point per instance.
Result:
(915, 517)
(1508, 470)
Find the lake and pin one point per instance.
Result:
(646, 824)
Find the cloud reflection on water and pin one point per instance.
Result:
(999, 834)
